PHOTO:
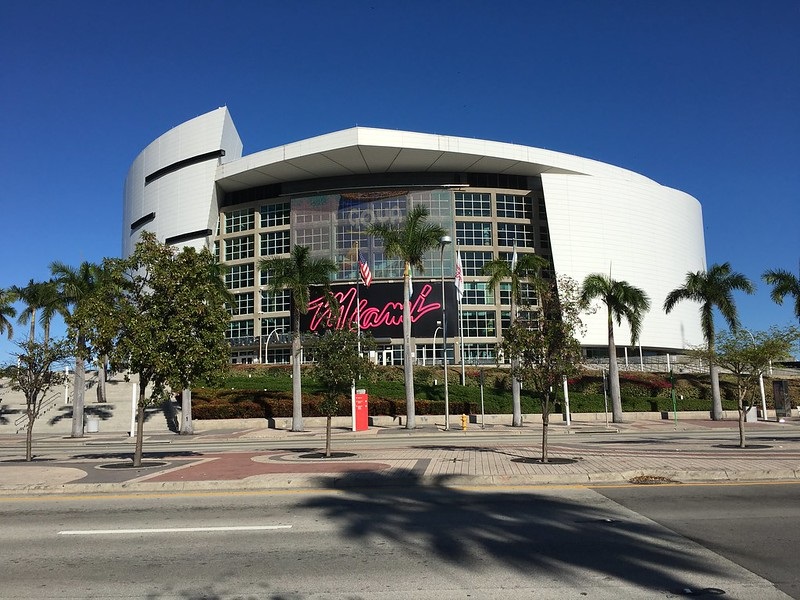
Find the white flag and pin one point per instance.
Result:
(459, 277)
(514, 259)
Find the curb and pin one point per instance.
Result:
(336, 482)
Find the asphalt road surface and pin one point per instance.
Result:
(534, 543)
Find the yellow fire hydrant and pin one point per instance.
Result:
(463, 422)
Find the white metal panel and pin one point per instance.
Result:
(645, 234)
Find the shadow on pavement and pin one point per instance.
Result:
(536, 535)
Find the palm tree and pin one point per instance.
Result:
(408, 241)
(783, 284)
(622, 300)
(297, 274)
(712, 289)
(75, 285)
(526, 269)
(7, 311)
(37, 296)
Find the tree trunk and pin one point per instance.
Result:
(716, 398)
(297, 391)
(742, 413)
(102, 398)
(328, 437)
(78, 392)
(29, 438)
(186, 413)
(137, 453)
(613, 376)
(545, 424)
(408, 358)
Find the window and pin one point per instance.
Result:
(240, 247)
(242, 304)
(275, 242)
(469, 204)
(519, 234)
(473, 262)
(478, 323)
(474, 234)
(544, 235)
(479, 354)
(274, 215)
(316, 238)
(277, 302)
(527, 292)
(240, 220)
(477, 293)
(542, 209)
(270, 324)
(239, 276)
(514, 207)
(240, 330)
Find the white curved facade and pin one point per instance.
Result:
(583, 215)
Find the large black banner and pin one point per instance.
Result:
(380, 307)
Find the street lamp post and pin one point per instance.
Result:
(444, 241)
(435, 335)
(266, 342)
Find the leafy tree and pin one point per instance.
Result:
(339, 363)
(75, 285)
(747, 358)
(712, 289)
(35, 375)
(297, 274)
(783, 284)
(622, 300)
(408, 241)
(7, 312)
(168, 323)
(547, 350)
(527, 269)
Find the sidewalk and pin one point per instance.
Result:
(474, 458)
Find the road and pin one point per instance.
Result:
(417, 542)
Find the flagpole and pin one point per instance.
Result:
(358, 298)
(459, 297)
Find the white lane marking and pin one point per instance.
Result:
(173, 530)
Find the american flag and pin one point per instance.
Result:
(363, 268)
(459, 277)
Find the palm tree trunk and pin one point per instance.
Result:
(297, 391)
(516, 387)
(408, 359)
(186, 413)
(78, 391)
(613, 376)
(716, 397)
(516, 393)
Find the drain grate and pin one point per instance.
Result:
(651, 480)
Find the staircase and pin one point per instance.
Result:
(113, 416)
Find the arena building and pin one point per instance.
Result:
(193, 186)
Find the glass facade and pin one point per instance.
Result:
(484, 223)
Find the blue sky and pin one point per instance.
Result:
(699, 95)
